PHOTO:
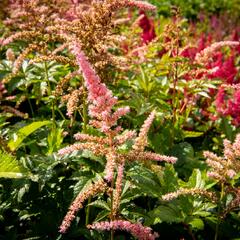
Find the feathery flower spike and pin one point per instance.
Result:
(136, 229)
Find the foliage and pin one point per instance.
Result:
(63, 133)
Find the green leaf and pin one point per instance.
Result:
(10, 167)
(165, 214)
(24, 132)
(100, 204)
(55, 139)
(196, 180)
(197, 223)
(145, 180)
(169, 179)
(191, 134)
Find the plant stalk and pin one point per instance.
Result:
(219, 210)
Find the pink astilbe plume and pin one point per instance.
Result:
(227, 167)
(77, 203)
(206, 54)
(99, 96)
(104, 117)
(140, 4)
(136, 229)
(225, 171)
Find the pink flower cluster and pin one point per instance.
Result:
(136, 229)
(140, 4)
(99, 96)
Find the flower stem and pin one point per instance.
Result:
(88, 211)
(49, 93)
(219, 210)
(111, 216)
(85, 115)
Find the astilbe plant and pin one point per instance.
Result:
(225, 171)
(104, 116)
(47, 29)
(39, 22)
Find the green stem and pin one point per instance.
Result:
(85, 113)
(49, 94)
(28, 100)
(219, 210)
(47, 79)
(85, 122)
(111, 216)
(30, 105)
(61, 114)
(88, 211)
(53, 114)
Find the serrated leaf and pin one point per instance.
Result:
(169, 179)
(145, 180)
(166, 214)
(102, 215)
(100, 204)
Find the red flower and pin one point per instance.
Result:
(147, 26)
(226, 71)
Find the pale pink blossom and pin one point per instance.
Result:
(143, 156)
(228, 151)
(136, 229)
(140, 4)
(118, 190)
(127, 135)
(236, 146)
(231, 173)
(206, 54)
(214, 164)
(214, 175)
(77, 204)
(100, 97)
(110, 165)
(141, 140)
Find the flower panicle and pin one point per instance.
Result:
(10, 55)
(110, 166)
(94, 188)
(97, 148)
(226, 167)
(190, 191)
(142, 5)
(118, 191)
(74, 101)
(146, 156)
(127, 135)
(61, 59)
(141, 140)
(90, 138)
(136, 229)
(24, 35)
(207, 52)
(100, 97)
